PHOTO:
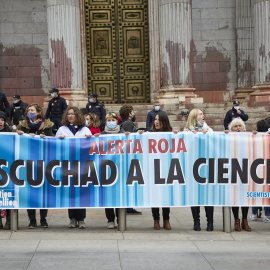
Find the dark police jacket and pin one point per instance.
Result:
(17, 111)
(3, 102)
(56, 108)
(98, 109)
(231, 114)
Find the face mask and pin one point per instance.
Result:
(91, 100)
(133, 119)
(199, 124)
(15, 101)
(237, 107)
(111, 125)
(86, 123)
(31, 115)
(52, 95)
(156, 108)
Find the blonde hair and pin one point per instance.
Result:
(192, 118)
(111, 115)
(95, 119)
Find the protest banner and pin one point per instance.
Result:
(148, 170)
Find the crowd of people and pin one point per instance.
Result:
(63, 121)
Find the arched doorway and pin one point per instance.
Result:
(117, 41)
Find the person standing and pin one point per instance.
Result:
(74, 126)
(235, 112)
(196, 123)
(151, 115)
(94, 106)
(57, 106)
(35, 124)
(128, 118)
(4, 105)
(17, 110)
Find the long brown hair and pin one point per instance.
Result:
(40, 113)
(80, 121)
(165, 122)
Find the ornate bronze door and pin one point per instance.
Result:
(118, 50)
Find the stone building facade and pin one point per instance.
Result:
(199, 50)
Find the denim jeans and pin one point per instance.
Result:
(266, 211)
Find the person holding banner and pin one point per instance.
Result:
(196, 123)
(238, 125)
(74, 126)
(111, 127)
(35, 124)
(4, 128)
(161, 124)
(92, 121)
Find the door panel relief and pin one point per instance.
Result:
(118, 50)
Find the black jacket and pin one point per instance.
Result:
(56, 108)
(3, 102)
(231, 114)
(98, 109)
(16, 112)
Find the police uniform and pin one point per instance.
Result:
(17, 111)
(4, 105)
(98, 109)
(55, 110)
(231, 114)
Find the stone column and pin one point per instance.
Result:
(175, 46)
(64, 35)
(262, 52)
(245, 49)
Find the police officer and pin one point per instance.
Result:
(56, 108)
(96, 107)
(4, 105)
(17, 109)
(234, 113)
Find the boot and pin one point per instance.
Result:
(1, 224)
(197, 226)
(245, 225)
(167, 225)
(156, 225)
(7, 225)
(209, 210)
(237, 225)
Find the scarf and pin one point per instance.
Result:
(33, 125)
(74, 129)
(112, 131)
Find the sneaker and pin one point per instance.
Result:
(253, 217)
(7, 225)
(82, 225)
(266, 219)
(43, 223)
(32, 224)
(110, 225)
(73, 223)
(132, 211)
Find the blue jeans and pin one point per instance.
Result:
(266, 211)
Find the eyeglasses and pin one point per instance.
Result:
(70, 114)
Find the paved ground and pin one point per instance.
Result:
(140, 247)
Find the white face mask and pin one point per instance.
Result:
(237, 107)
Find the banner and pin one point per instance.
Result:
(148, 170)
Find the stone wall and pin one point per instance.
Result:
(214, 43)
(24, 60)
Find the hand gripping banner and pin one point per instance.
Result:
(149, 170)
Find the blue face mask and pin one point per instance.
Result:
(199, 124)
(157, 108)
(91, 100)
(111, 125)
(52, 95)
(15, 101)
(86, 123)
(31, 115)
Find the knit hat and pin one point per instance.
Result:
(3, 115)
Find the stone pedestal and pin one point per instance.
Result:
(175, 50)
(64, 35)
(261, 94)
